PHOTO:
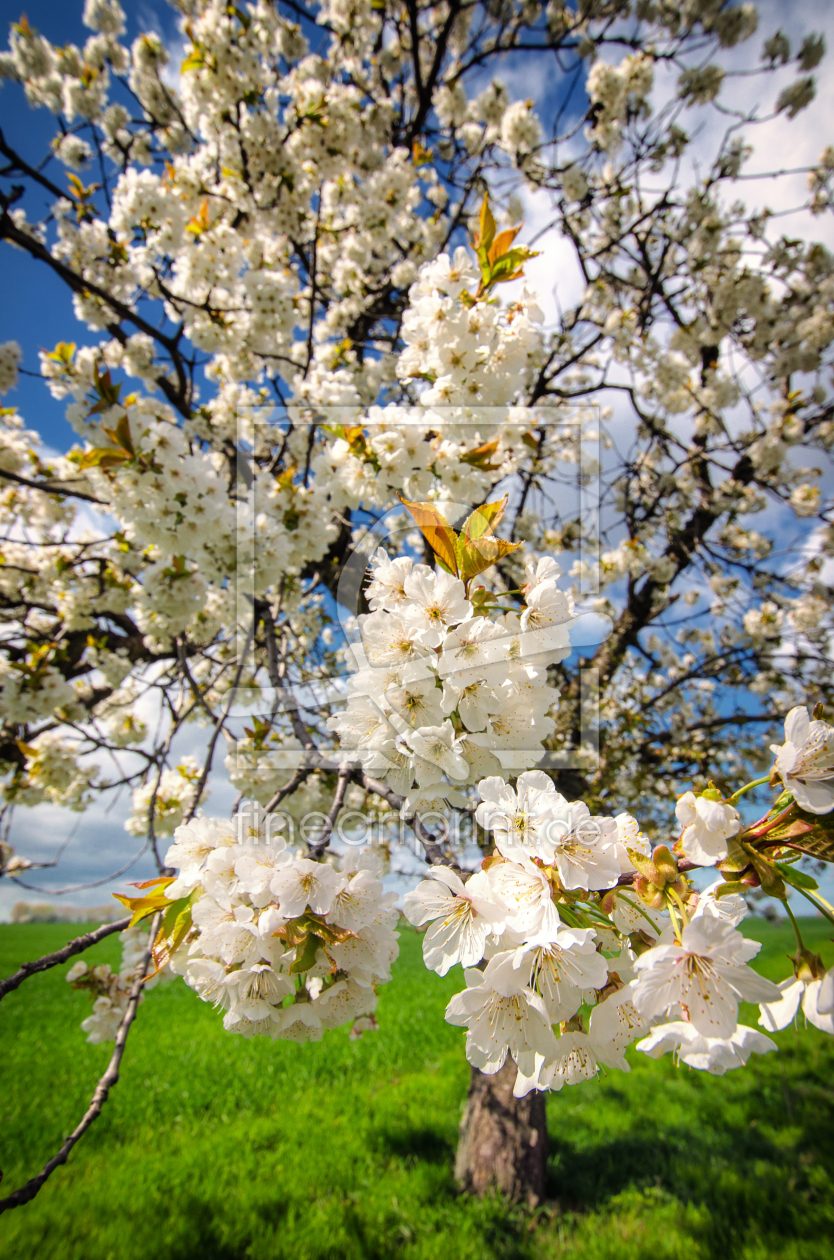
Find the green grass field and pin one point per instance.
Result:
(216, 1148)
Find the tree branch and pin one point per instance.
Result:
(434, 853)
(317, 848)
(11, 232)
(28, 1191)
(61, 955)
(49, 488)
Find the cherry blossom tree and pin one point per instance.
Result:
(328, 448)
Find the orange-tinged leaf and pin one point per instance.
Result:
(175, 926)
(481, 553)
(201, 222)
(107, 392)
(437, 531)
(502, 242)
(143, 907)
(486, 227)
(158, 880)
(355, 438)
(121, 435)
(481, 455)
(294, 931)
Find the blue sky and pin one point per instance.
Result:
(36, 308)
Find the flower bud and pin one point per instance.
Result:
(649, 893)
(665, 863)
(807, 966)
(712, 793)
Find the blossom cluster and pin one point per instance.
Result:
(447, 690)
(469, 352)
(110, 989)
(577, 940)
(286, 947)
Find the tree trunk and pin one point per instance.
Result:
(503, 1140)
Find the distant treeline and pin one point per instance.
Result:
(44, 912)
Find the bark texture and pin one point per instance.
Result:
(503, 1140)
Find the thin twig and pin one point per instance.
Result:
(28, 1191)
(61, 955)
(50, 488)
(196, 692)
(96, 883)
(219, 724)
(302, 773)
(434, 852)
(317, 847)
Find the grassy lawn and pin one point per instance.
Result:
(216, 1148)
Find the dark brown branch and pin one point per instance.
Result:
(87, 288)
(20, 164)
(318, 846)
(434, 853)
(195, 690)
(49, 487)
(61, 955)
(302, 773)
(425, 91)
(28, 1191)
(315, 761)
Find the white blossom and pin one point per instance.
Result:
(502, 1016)
(805, 762)
(305, 884)
(463, 917)
(716, 1055)
(436, 601)
(707, 824)
(706, 975)
(815, 996)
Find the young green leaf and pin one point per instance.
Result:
(143, 907)
(797, 879)
(482, 553)
(175, 926)
(485, 517)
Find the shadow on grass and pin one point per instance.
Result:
(364, 1226)
(417, 1145)
(204, 1241)
(761, 1168)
